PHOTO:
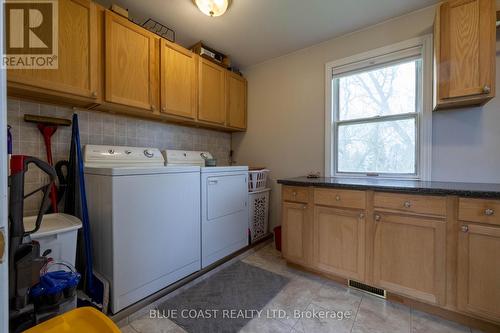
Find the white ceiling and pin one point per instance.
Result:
(253, 31)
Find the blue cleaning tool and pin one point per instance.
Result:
(96, 286)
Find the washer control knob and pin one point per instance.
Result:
(148, 153)
(111, 151)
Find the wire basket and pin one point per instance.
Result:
(257, 180)
(258, 217)
(159, 29)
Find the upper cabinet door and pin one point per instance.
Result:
(464, 53)
(211, 92)
(178, 81)
(236, 101)
(77, 72)
(131, 64)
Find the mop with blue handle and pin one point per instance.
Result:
(95, 286)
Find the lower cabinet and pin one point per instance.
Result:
(410, 256)
(479, 270)
(402, 245)
(339, 242)
(295, 232)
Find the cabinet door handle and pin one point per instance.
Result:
(94, 94)
(407, 204)
(486, 89)
(489, 212)
(464, 228)
(213, 182)
(163, 109)
(337, 197)
(294, 194)
(304, 206)
(361, 215)
(377, 217)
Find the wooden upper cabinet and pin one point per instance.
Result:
(109, 63)
(410, 255)
(76, 79)
(479, 270)
(339, 242)
(464, 47)
(178, 83)
(211, 82)
(236, 101)
(131, 64)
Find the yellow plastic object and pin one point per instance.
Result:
(80, 320)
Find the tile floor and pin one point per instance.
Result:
(312, 294)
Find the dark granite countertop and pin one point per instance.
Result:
(477, 190)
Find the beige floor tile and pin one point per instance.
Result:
(333, 296)
(296, 295)
(265, 325)
(154, 325)
(270, 259)
(122, 323)
(380, 316)
(308, 293)
(128, 329)
(425, 323)
(266, 257)
(293, 273)
(325, 321)
(144, 312)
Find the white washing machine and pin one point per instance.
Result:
(145, 220)
(224, 200)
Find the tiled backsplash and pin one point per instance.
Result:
(103, 128)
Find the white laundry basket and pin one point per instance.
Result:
(257, 180)
(58, 232)
(258, 217)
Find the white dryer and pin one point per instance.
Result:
(145, 220)
(224, 200)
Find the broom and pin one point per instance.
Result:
(48, 126)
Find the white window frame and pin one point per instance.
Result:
(391, 53)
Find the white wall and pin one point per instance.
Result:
(466, 142)
(286, 113)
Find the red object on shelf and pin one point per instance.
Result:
(277, 237)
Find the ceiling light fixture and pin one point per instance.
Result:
(212, 8)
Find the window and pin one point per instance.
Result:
(378, 113)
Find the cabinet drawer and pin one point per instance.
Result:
(419, 204)
(297, 194)
(479, 210)
(340, 198)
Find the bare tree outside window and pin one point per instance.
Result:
(376, 123)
